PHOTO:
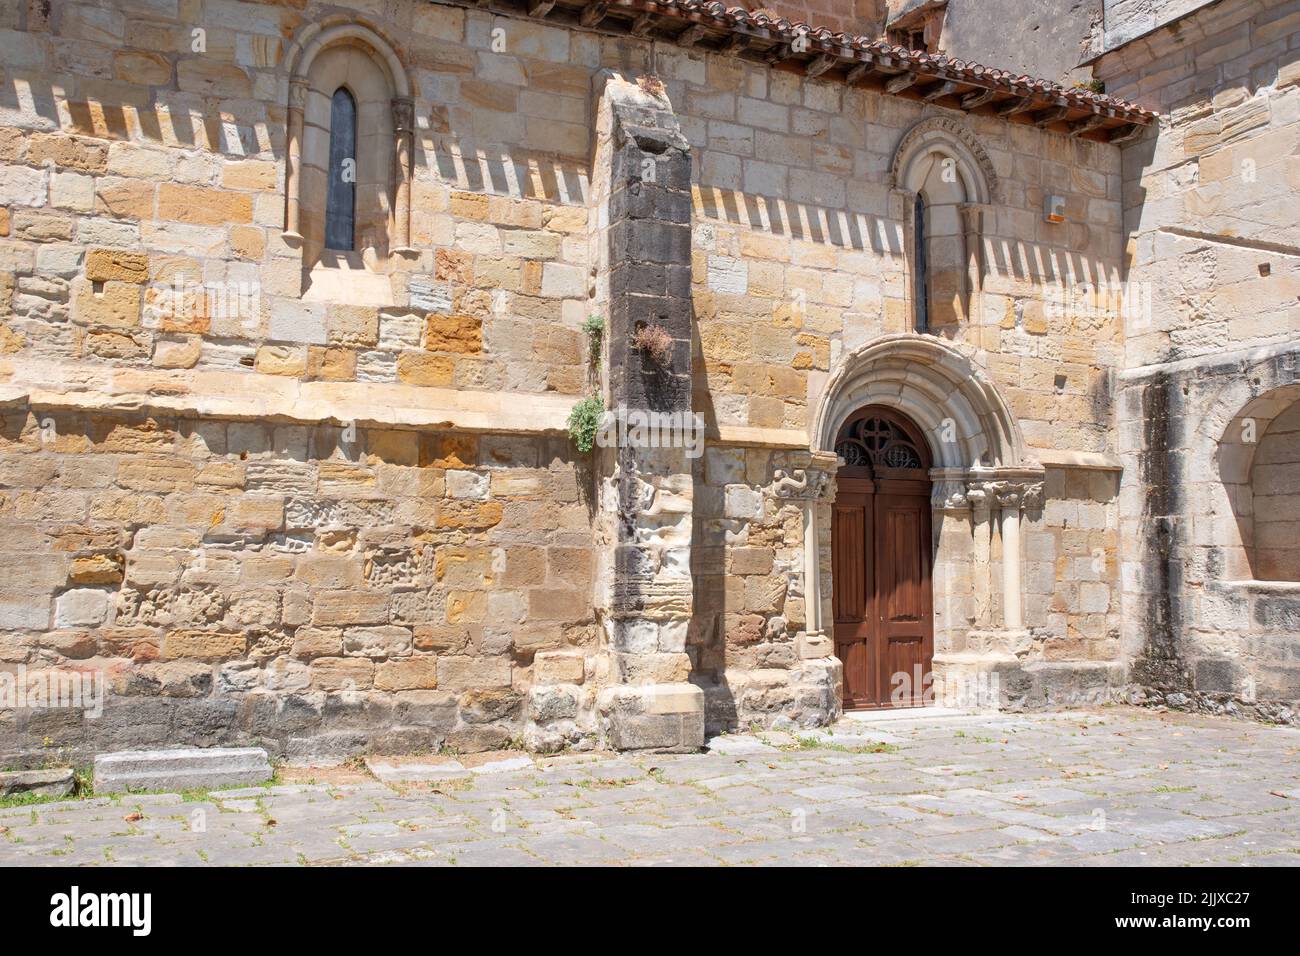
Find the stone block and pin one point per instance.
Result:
(69, 152)
(559, 667)
(204, 645)
(415, 368)
(349, 607)
(453, 333)
(41, 783)
(392, 770)
(107, 265)
(553, 702)
(182, 769)
(385, 641)
(342, 673)
(743, 501)
(412, 673)
(81, 607)
(114, 304)
(202, 206)
(471, 673)
(666, 718)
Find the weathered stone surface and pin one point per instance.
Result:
(180, 769)
(105, 265)
(415, 769)
(42, 783)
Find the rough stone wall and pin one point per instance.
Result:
(1046, 38)
(151, 163)
(751, 595)
(1072, 567)
(1275, 497)
(1126, 20)
(178, 155)
(799, 251)
(1214, 256)
(799, 259)
(305, 588)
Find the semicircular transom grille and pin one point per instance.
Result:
(877, 443)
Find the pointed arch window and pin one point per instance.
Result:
(921, 281)
(341, 195)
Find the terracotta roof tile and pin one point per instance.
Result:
(822, 40)
(758, 34)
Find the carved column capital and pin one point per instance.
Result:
(802, 484)
(1032, 495)
(403, 114)
(950, 496)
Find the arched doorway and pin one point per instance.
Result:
(882, 560)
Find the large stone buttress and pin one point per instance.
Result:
(648, 702)
(640, 240)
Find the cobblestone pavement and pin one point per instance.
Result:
(1105, 787)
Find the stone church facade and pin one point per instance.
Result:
(308, 313)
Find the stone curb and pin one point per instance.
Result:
(175, 770)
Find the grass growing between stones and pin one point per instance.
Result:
(821, 743)
(84, 778)
(85, 790)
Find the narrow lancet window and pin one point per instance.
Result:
(341, 199)
(921, 285)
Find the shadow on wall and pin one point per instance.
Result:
(188, 121)
(505, 171)
(860, 232)
(783, 217)
(179, 120)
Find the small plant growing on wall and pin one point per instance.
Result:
(655, 344)
(595, 329)
(584, 421)
(651, 84)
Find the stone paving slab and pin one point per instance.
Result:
(1114, 786)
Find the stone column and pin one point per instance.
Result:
(1009, 501)
(811, 487)
(981, 556)
(1007, 637)
(972, 220)
(403, 155)
(293, 161)
(647, 492)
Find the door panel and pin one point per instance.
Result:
(852, 589)
(905, 631)
(881, 552)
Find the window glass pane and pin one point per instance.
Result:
(922, 287)
(341, 200)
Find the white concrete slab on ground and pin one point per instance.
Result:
(908, 713)
(503, 765)
(731, 744)
(414, 770)
(185, 768)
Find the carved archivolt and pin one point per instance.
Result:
(947, 135)
(944, 391)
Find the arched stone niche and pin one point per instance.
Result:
(941, 161)
(1256, 453)
(349, 54)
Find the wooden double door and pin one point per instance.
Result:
(881, 564)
